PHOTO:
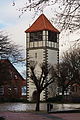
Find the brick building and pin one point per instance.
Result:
(12, 84)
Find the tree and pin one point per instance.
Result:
(69, 69)
(69, 15)
(4, 73)
(67, 11)
(63, 79)
(39, 79)
(72, 59)
(9, 50)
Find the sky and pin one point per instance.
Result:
(14, 26)
(10, 21)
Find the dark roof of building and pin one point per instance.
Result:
(42, 23)
(6, 61)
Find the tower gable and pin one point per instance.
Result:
(42, 23)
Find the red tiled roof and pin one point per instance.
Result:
(42, 23)
(7, 62)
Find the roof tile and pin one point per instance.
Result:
(42, 23)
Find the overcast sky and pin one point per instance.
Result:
(10, 21)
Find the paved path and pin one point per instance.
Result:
(67, 116)
(39, 116)
(18, 107)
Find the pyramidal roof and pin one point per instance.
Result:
(42, 23)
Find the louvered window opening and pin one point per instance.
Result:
(36, 36)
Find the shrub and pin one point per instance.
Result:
(55, 99)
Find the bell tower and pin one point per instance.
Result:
(42, 45)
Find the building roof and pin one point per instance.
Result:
(8, 63)
(42, 23)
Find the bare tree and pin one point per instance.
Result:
(40, 81)
(9, 50)
(69, 14)
(69, 69)
(67, 11)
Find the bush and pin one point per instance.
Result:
(55, 99)
(75, 100)
(13, 100)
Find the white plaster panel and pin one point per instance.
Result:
(39, 57)
(52, 56)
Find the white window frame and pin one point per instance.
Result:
(22, 90)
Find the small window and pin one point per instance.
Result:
(1, 90)
(9, 88)
(35, 55)
(16, 77)
(36, 36)
(9, 91)
(23, 90)
(52, 36)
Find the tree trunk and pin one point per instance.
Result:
(63, 89)
(38, 102)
